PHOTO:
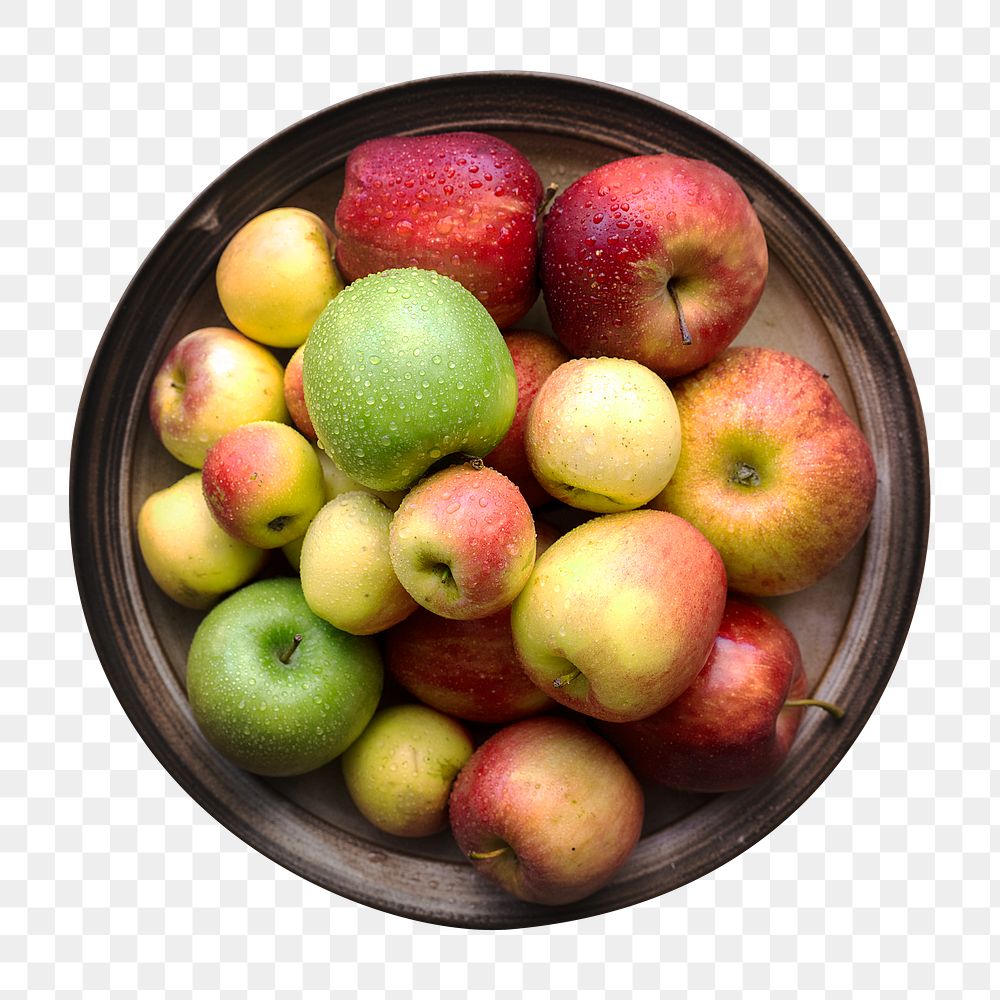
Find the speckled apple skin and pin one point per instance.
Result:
(463, 542)
(404, 368)
(535, 356)
(771, 411)
(603, 434)
(295, 399)
(614, 239)
(729, 729)
(263, 483)
(558, 798)
(632, 600)
(463, 204)
(212, 381)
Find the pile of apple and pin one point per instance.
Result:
(399, 458)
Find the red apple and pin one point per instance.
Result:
(772, 471)
(660, 259)
(459, 203)
(547, 810)
(734, 725)
(536, 357)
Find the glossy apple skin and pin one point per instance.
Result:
(729, 730)
(558, 798)
(463, 204)
(773, 470)
(263, 483)
(212, 381)
(276, 276)
(189, 556)
(404, 368)
(633, 601)
(295, 399)
(615, 238)
(535, 358)
(603, 434)
(463, 542)
(267, 703)
(399, 771)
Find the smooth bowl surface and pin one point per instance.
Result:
(817, 304)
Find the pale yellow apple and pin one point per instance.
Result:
(189, 556)
(347, 577)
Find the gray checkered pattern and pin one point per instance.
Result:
(113, 881)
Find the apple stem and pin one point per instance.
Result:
(685, 332)
(550, 193)
(287, 655)
(746, 475)
(486, 855)
(474, 460)
(835, 710)
(566, 679)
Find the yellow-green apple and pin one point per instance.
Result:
(773, 470)
(547, 810)
(400, 770)
(659, 258)
(212, 381)
(603, 434)
(347, 577)
(535, 358)
(295, 398)
(459, 203)
(620, 614)
(276, 689)
(734, 725)
(276, 276)
(404, 368)
(263, 483)
(463, 542)
(189, 556)
(336, 482)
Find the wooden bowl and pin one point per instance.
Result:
(818, 304)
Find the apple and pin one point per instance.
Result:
(773, 470)
(191, 558)
(734, 725)
(276, 276)
(347, 577)
(620, 614)
(274, 688)
(603, 434)
(263, 483)
(400, 770)
(459, 203)
(295, 399)
(463, 542)
(212, 381)
(336, 482)
(547, 810)
(402, 369)
(659, 258)
(535, 358)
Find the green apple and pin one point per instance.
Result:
(603, 434)
(276, 276)
(347, 576)
(400, 770)
(189, 556)
(273, 687)
(404, 368)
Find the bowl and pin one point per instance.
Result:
(817, 304)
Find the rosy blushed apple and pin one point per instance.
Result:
(295, 398)
(659, 258)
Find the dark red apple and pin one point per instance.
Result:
(735, 723)
(660, 259)
(463, 204)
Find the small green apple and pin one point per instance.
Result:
(276, 689)
(400, 770)
(403, 368)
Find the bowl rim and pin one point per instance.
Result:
(101, 524)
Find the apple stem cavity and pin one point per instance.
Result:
(685, 332)
(566, 679)
(835, 710)
(745, 475)
(286, 656)
(486, 855)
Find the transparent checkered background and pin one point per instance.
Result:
(113, 880)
